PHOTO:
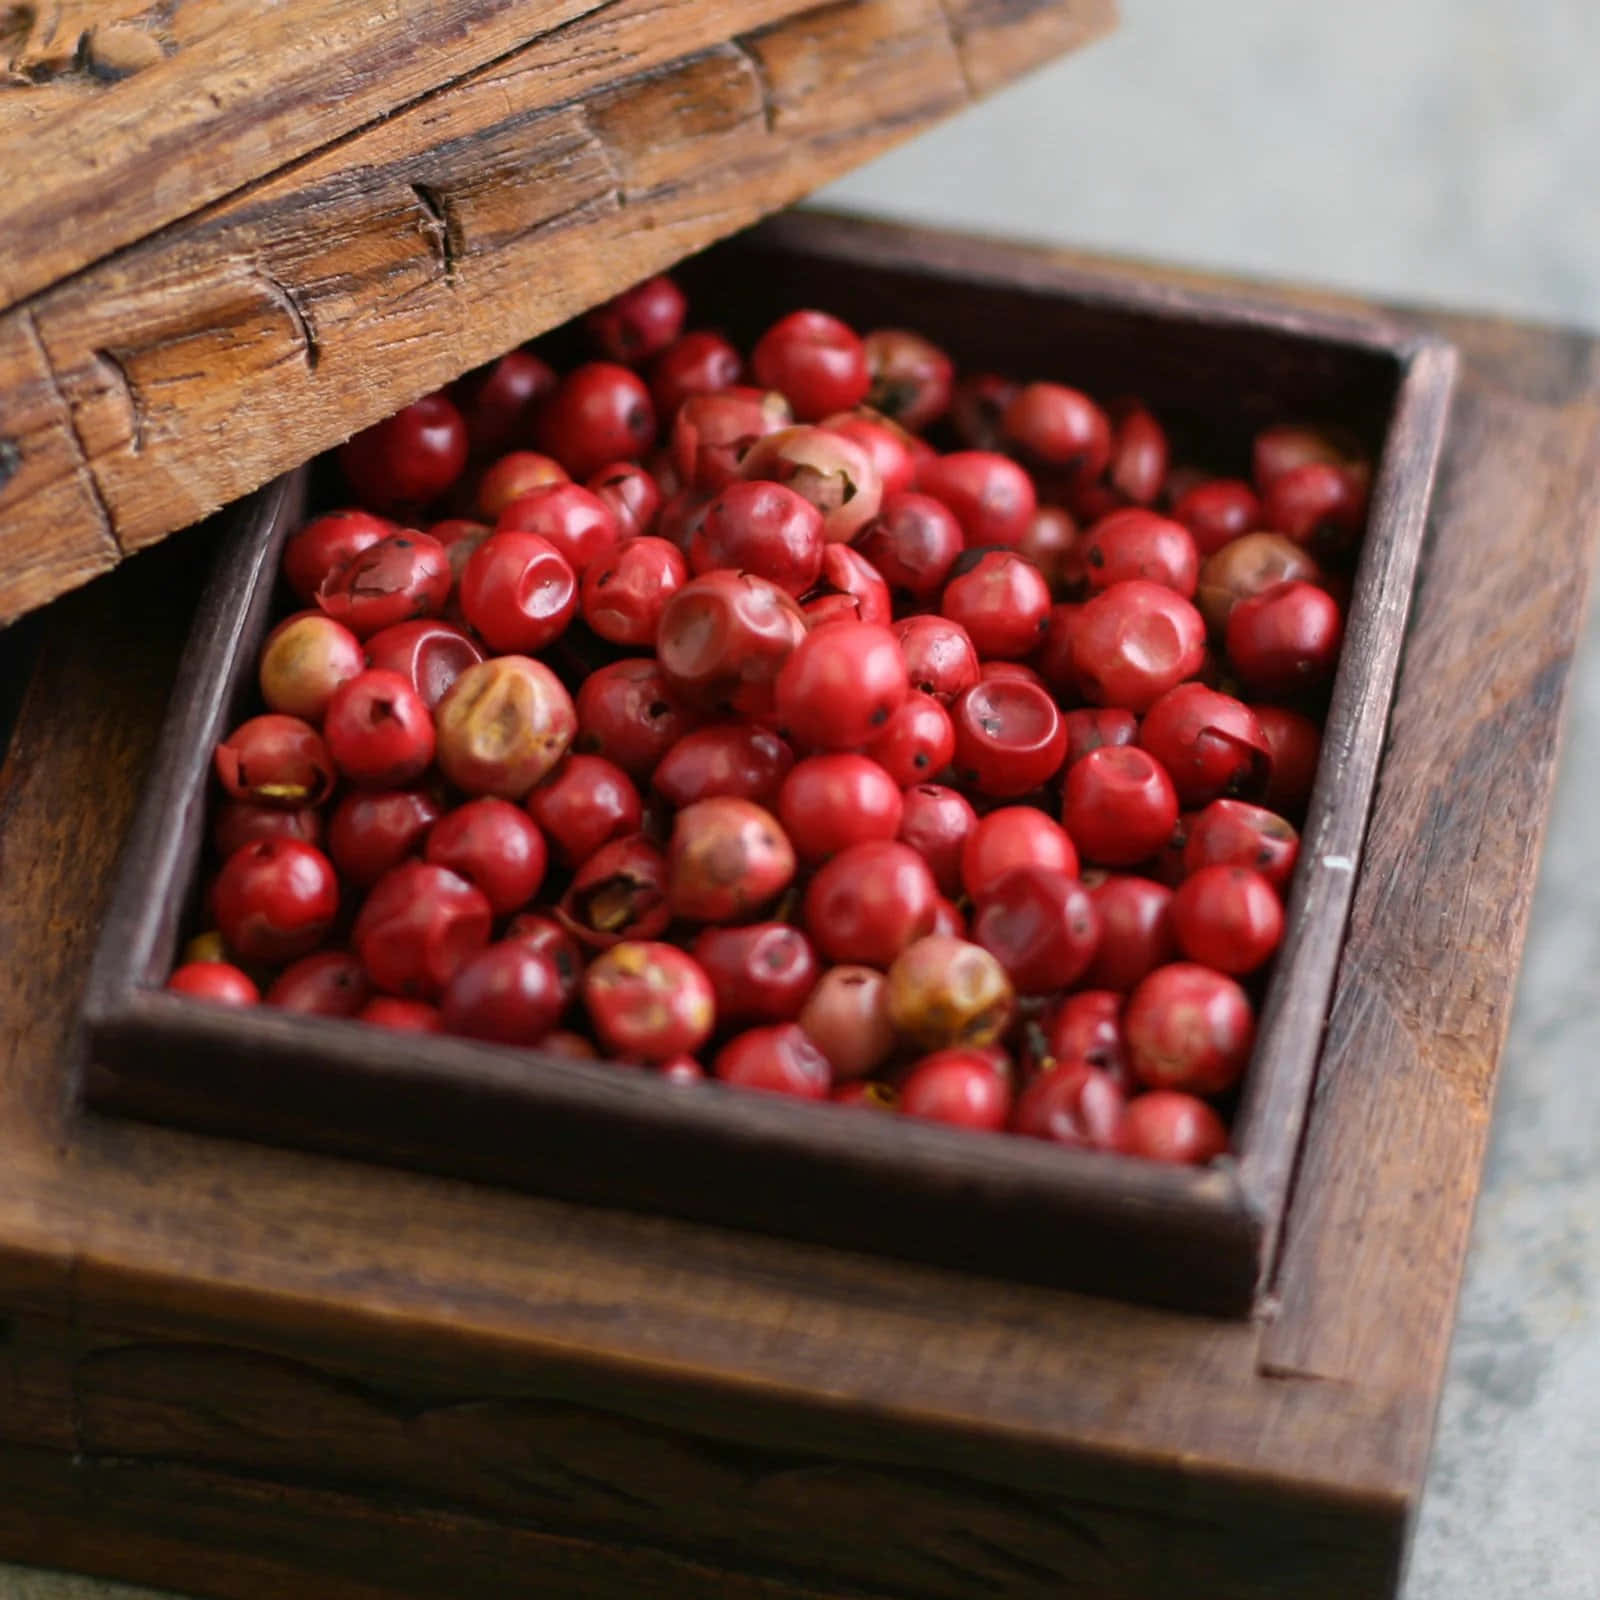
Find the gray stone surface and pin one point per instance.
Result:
(1433, 149)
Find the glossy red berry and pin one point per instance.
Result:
(1040, 925)
(1168, 1126)
(403, 576)
(328, 544)
(639, 323)
(304, 659)
(1014, 836)
(275, 899)
(1009, 737)
(1229, 918)
(727, 758)
(430, 655)
(1218, 511)
(1001, 600)
(514, 476)
(960, 1087)
(847, 1018)
(779, 1060)
(761, 528)
(1210, 743)
(834, 473)
(379, 731)
(869, 902)
(1137, 543)
(1294, 746)
(1095, 727)
(502, 726)
(1073, 1104)
(696, 363)
(728, 860)
(238, 822)
(830, 802)
(406, 1016)
(600, 413)
(417, 926)
(840, 686)
(630, 494)
(913, 542)
(214, 980)
(712, 434)
(1139, 455)
(649, 1001)
(623, 596)
(518, 591)
(1188, 1027)
(909, 379)
(936, 822)
(1061, 428)
(1055, 546)
(1136, 933)
(1286, 639)
(849, 589)
(630, 714)
(816, 360)
(506, 993)
(940, 658)
(989, 495)
(619, 893)
(1287, 445)
(763, 972)
(1316, 504)
(1119, 805)
(892, 451)
(1245, 567)
(574, 521)
(723, 640)
(410, 458)
(1233, 833)
(275, 760)
(498, 402)
(329, 983)
(554, 942)
(918, 742)
(372, 830)
(1086, 1030)
(1134, 642)
(495, 845)
(1053, 660)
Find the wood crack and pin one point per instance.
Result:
(117, 370)
(284, 296)
(442, 227)
(764, 84)
(74, 433)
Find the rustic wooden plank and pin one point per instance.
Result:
(247, 336)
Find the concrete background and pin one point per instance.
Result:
(1444, 150)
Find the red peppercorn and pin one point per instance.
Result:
(696, 363)
(763, 972)
(1217, 511)
(574, 521)
(1040, 925)
(502, 726)
(779, 1059)
(410, 458)
(1232, 833)
(913, 542)
(1001, 600)
(1086, 1030)
(945, 991)
(939, 656)
(326, 545)
(891, 450)
(513, 476)
(429, 655)
(1188, 1027)
(491, 843)
(329, 983)
(978, 404)
(1012, 671)
(214, 980)
(629, 713)
(723, 639)
(274, 900)
(1229, 918)
(640, 322)
(1294, 745)
(1136, 933)
(619, 893)
(936, 822)
(1167, 1126)
(1073, 1104)
(728, 859)
(304, 659)
(378, 730)
(761, 528)
(1285, 639)
(1249, 566)
(402, 576)
(841, 685)
(649, 1001)
(624, 594)
(1316, 504)
(846, 1016)
(498, 401)
(726, 758)
(959, 1087)
(1061, 428)
(373, 830)
(1138, 464)
(552, 941)
(601, 412)
(1094, 727)
(869, 902)
(834, 473)
(989, 495)
(518, 591)
(407, 1016)
(918, 741)
(1287, 445)
(830, 802)
(1054, 545)
(1053, 660)
(1134, 642)
(909, 378)
(1136, 543)
(1014, 836)
(712, 434)
(818, 361)
(507, 993)
(1009, 737)
(1119, 805)
(850, 589)
(275, 760)
(417, 926)
(630, 494)
(1208, 742)
(947, 919)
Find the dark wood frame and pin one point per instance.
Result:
(1195, 1239)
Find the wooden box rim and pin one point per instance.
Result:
(1204, 1238)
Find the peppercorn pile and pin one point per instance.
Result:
(821, 723)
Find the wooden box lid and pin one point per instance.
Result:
(231, 236)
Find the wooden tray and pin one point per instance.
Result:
(1215, 368)
(250, 1372)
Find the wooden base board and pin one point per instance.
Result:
(238, 1370)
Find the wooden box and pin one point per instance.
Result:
(247, 1371)
(1215, 369)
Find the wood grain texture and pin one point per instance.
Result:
(534, 1335)
(318, 296)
